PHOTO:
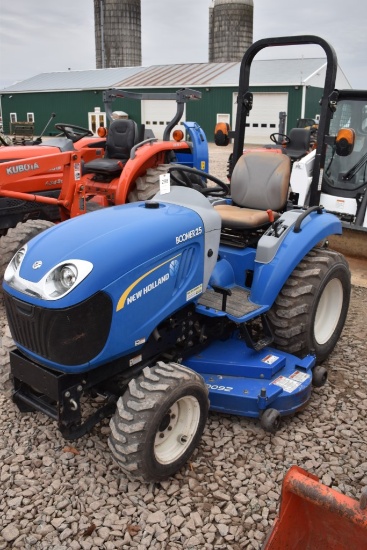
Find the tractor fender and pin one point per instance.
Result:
(280, 251)
(147, 156)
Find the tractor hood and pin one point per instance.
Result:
(17, 152)
(124, 267)
(115, 241)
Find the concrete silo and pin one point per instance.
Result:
(230, 29)
(118, 33)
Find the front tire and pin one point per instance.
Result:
(159, 421)
(309, 313)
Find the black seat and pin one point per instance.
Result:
(299, 143)
(259, 189)
(121, 138)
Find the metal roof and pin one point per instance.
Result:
(74, 80)
(269, 72)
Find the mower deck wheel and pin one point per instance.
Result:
(271, 420)
(319, 376)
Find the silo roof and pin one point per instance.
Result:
(248, 2)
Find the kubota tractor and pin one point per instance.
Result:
(154, 304)
(48, 184)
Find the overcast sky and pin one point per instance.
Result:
(38, 36)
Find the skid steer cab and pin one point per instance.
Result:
(169, 306)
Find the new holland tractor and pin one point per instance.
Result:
(166, 307)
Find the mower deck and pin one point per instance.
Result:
(253, 381)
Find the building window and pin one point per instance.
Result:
(30, 117)
(13, 117)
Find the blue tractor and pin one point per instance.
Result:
(166, 307)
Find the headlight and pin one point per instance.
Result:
(61, 280)
(18, 258)
(58, 282)
(68, 276)
(15, 263)
(64, 277)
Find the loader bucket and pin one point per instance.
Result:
(315, 517)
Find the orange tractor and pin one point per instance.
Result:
(48, 183)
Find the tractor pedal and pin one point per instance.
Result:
(262, 343)
(264, 339)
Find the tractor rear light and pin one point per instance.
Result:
(102, 132)
(178, 135)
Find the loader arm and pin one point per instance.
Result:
(69, 163)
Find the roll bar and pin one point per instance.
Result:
(181, 97)
(328, 100)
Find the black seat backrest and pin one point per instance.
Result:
(121, 138)
(299, 143)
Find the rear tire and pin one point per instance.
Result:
(148, 185)
(309, 313)
(159, 421)
(16, 237)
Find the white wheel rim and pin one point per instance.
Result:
(180, 427)
(328, 311)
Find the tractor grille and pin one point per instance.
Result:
(70, 336)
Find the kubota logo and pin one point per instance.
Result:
(21, 168)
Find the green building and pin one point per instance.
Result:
(291, 86)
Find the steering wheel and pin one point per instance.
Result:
(220, 190)
(279, 139)
(73, 132)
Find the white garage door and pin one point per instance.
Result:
(156, 114)
(264, 116)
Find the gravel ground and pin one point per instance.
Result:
(61, 496)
